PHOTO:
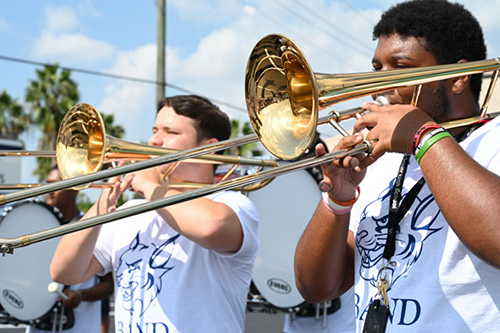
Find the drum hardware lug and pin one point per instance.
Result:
(6, 249)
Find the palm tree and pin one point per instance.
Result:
(13, 119)
(114, 130)
(250, 149)
(50, 96)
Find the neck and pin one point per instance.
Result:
(461, 107)
(199, 174)
(69, 212)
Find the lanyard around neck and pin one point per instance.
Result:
(398, 209)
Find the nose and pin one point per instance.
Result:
(155, 140)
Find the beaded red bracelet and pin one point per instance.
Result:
(418, 135)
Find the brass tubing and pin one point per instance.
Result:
(124, 169)
(144, 164)
(7, 245)
(24, 153)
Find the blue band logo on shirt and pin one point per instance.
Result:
(140, 271)
(371, 238)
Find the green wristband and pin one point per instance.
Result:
(429, 143)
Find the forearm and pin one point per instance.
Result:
(98, 292)
(467, 195)
(210, 224)
(324, 257)
(73, 259)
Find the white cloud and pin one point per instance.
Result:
(250, 10)
(58, 41)
(133, 103)
(196, 10)
(87, 7)
(60, 19)
(71, 48)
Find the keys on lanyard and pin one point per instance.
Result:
(383, 286)
(378, 312)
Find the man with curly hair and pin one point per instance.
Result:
(414, 224)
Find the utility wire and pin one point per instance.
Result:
(120, 77)
(324, 50)
(325, 31)
(359, 12)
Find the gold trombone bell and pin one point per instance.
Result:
(284, 96)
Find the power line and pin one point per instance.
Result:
(359, 12)
(325, 50)
(119, 77)
(304, 7)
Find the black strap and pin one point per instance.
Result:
(397, 209)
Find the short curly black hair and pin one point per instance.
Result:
(452, 33)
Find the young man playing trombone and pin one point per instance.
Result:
(185, 267)
(414, 224)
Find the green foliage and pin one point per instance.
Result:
(49, 97)
(247, 150)
(13, 119)
(114, 130)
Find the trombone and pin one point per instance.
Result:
(83, 147)
(283, 98)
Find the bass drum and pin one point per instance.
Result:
(285, 207)
(25, 274)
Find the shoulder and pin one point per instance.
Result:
(484, 143)
(235, 200)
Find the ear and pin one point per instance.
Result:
(460, 83)
(209, 141)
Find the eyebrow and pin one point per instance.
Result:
(397, 57)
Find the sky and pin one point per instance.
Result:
(208, 45)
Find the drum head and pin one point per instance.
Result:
(25, 274)
(285, 207)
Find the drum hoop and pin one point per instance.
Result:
(54, 210)
(56, 213)
(316, 175)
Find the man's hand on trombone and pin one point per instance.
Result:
(391, 128)
(342, 177)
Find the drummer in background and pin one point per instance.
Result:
(182, 268)
(89, 297)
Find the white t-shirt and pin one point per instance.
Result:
(341, 321)
(438, 284)
(164, 282)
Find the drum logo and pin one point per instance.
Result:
(13, 298)
(279, 286)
